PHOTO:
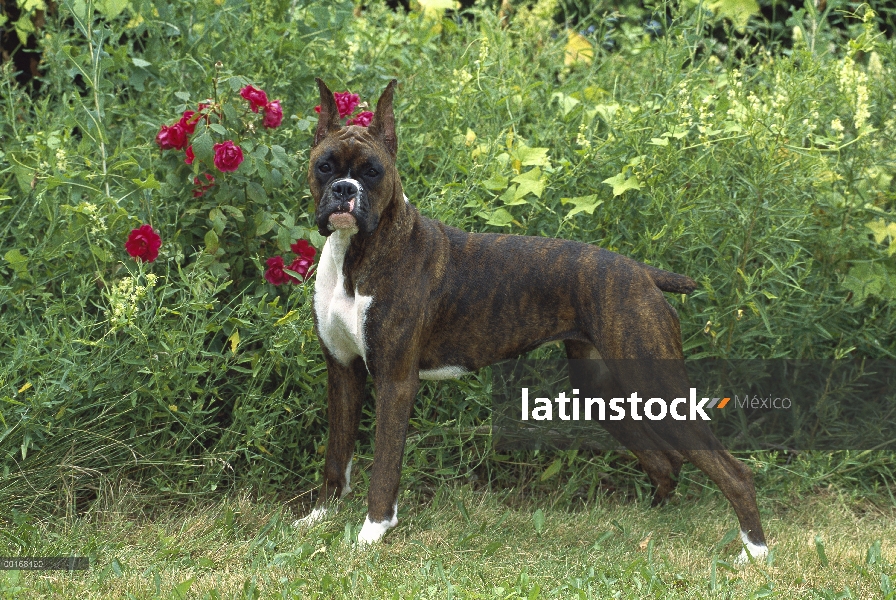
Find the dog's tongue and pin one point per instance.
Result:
(344, 220)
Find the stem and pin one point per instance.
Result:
(95, 57)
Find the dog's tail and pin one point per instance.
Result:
(671, 282)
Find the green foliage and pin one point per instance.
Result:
(758, 175)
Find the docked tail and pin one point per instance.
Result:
(671, 282)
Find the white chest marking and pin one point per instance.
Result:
(340, 317)
(451, 372)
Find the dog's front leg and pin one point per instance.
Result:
(345, 394)
(394, 402)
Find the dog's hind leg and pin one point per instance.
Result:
(736, 481)
(659, 460)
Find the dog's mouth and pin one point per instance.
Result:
(342, 217)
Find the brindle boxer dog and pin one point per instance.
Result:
(404, 298)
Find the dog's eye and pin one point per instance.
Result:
(372, 172)
(325, 168)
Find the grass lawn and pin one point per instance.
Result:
(463, 543)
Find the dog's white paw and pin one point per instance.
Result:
(314, 517)
(757, 552)
(373, 532)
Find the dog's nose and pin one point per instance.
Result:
(344, 190)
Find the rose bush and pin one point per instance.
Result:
(225, 135)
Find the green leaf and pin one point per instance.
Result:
(620, 184)
(203, 147)
(538, 521)
(508, 198)
(183, 587)
(870, 279)
(217, 128)
(264, 223)
(499, 218)
(607, 111)
(531, 182)
(17, 261)
(139, 62)
(567, 103)
(552, 470)
(211, 242)
(659, 141)
(149, 184)
(111, 8)
(819, 548)
(256, 192)
(495, 183)
(881, 230)
(234, 212)
(582, 204)
(530, 157)
(738, 11)
(100, 253)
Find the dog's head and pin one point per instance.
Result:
(352, 169)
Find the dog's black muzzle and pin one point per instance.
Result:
(344, 205)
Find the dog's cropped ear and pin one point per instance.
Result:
(383, 125)
(329, 113)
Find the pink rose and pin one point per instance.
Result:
(143, 243)
(171, 137)
(274, 273)
(363, 119)
(188, 121)
(228, 156)
(257, 98)
(273, 114)
(303, 249)
(190, 156)
(302, 266)
(346, 102)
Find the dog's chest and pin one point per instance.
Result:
(340, 317)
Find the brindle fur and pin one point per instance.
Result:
(442, 296)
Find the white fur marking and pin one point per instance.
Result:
(354, 182)
(757, 551)
(406, 201)
(340, 317)
(373, 532)
(348, 478)
(450, 372)
(315, 516)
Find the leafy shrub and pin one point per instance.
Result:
(766, 179)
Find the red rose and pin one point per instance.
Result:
(188, 121)
(257, 98)
(303, 249)
(273, 114)
(228, 156)
(302, 266)
(363, 119)
(143, 243)
(274, 274)
(317, 109)
(172, 137)
(190, 156)
(346, 102)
